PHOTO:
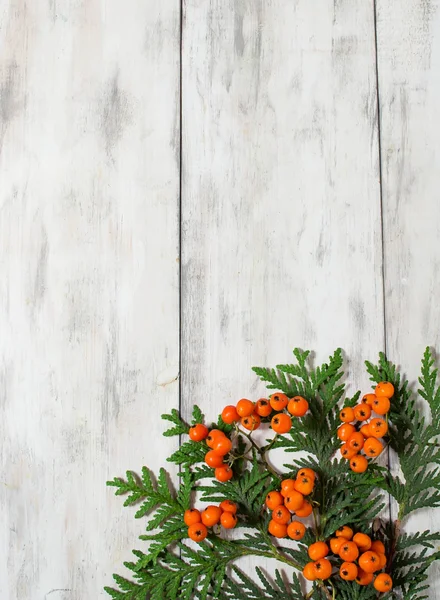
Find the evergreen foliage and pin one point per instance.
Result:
(174, 568)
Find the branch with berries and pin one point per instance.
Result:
(320, 516)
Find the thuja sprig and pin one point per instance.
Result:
(341, 501)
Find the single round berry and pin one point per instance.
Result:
(305, 510)
(348, 571)
(304, 485)
(318, 550)
(294, 501)
(348, 551)
(369, 561)
(199, 432)
(323, 568)
(369, 398)
(230, 414)
(211, 515)
(381, 405)
(309, 572)
(384, 388)
(197, 532)
(298, 406)
(245, 407)
(373, 447)
(383, 583)
(191, 516)
(358, 464)
(279, 401)
(362, 541)
(364, 578)
(228, 520)
(251, 422)
(222, 445)
(263, 407)
(287, 486)
(296, 530)
(228, 506)
(345, 431)
(362, 412)
(281, 423)
(278, 530)
(212, 436)
(355, 441)
(223, 473)
(213, 460)
(378, 427)
(274, 499)
(345, 532)
(347, 414)
(281, 515)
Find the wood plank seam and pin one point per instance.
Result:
(379, 145)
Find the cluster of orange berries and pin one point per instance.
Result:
(350, 547)
(291, 499)
(365, 436)
(220, 446)
(198, 522)
(250, 413)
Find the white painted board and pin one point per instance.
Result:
(89, 281)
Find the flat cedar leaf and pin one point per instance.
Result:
(197, 415)
(180, 426)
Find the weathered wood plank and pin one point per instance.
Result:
(281, 206)
(409, 90)
(89, 296)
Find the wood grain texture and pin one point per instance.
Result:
(281, 230)
(89, 221)
(409, 85)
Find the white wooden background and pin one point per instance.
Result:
(211, 184)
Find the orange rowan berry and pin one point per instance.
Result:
(348, 551)
(251, 422)
(304, 485)
(223, 473)
(287, 486)
(362, 411)
(358, 464)
(347, 414)
(211, 515)
(383, 583)
(230, 414)
(222, 445)
(212, 436)
(362, 541)
(212, 459)
(298, 406)
(305, 471)
(365, 430)
(296, 530)
(345, 431)
(309, 572)
(263, 407)
(378, 427)
(294, 501)
(305, 510)
(191, 516)
(384, 388)
(348, 571)
(318, 550)
(378, 547)
(279, 401)
(373, 447)
(369, 561)
(274, 499)
(281, 515)
(347, 452)
(381, 405)
(228, 520)
(281, 423)
(228, 506)
(356, 441)
(369, 398)
(323, 568)
(278, 530)
(198, 432)
(244, 407)
(336, 543)
(364, 578)
(197, 532)
(345, 532)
